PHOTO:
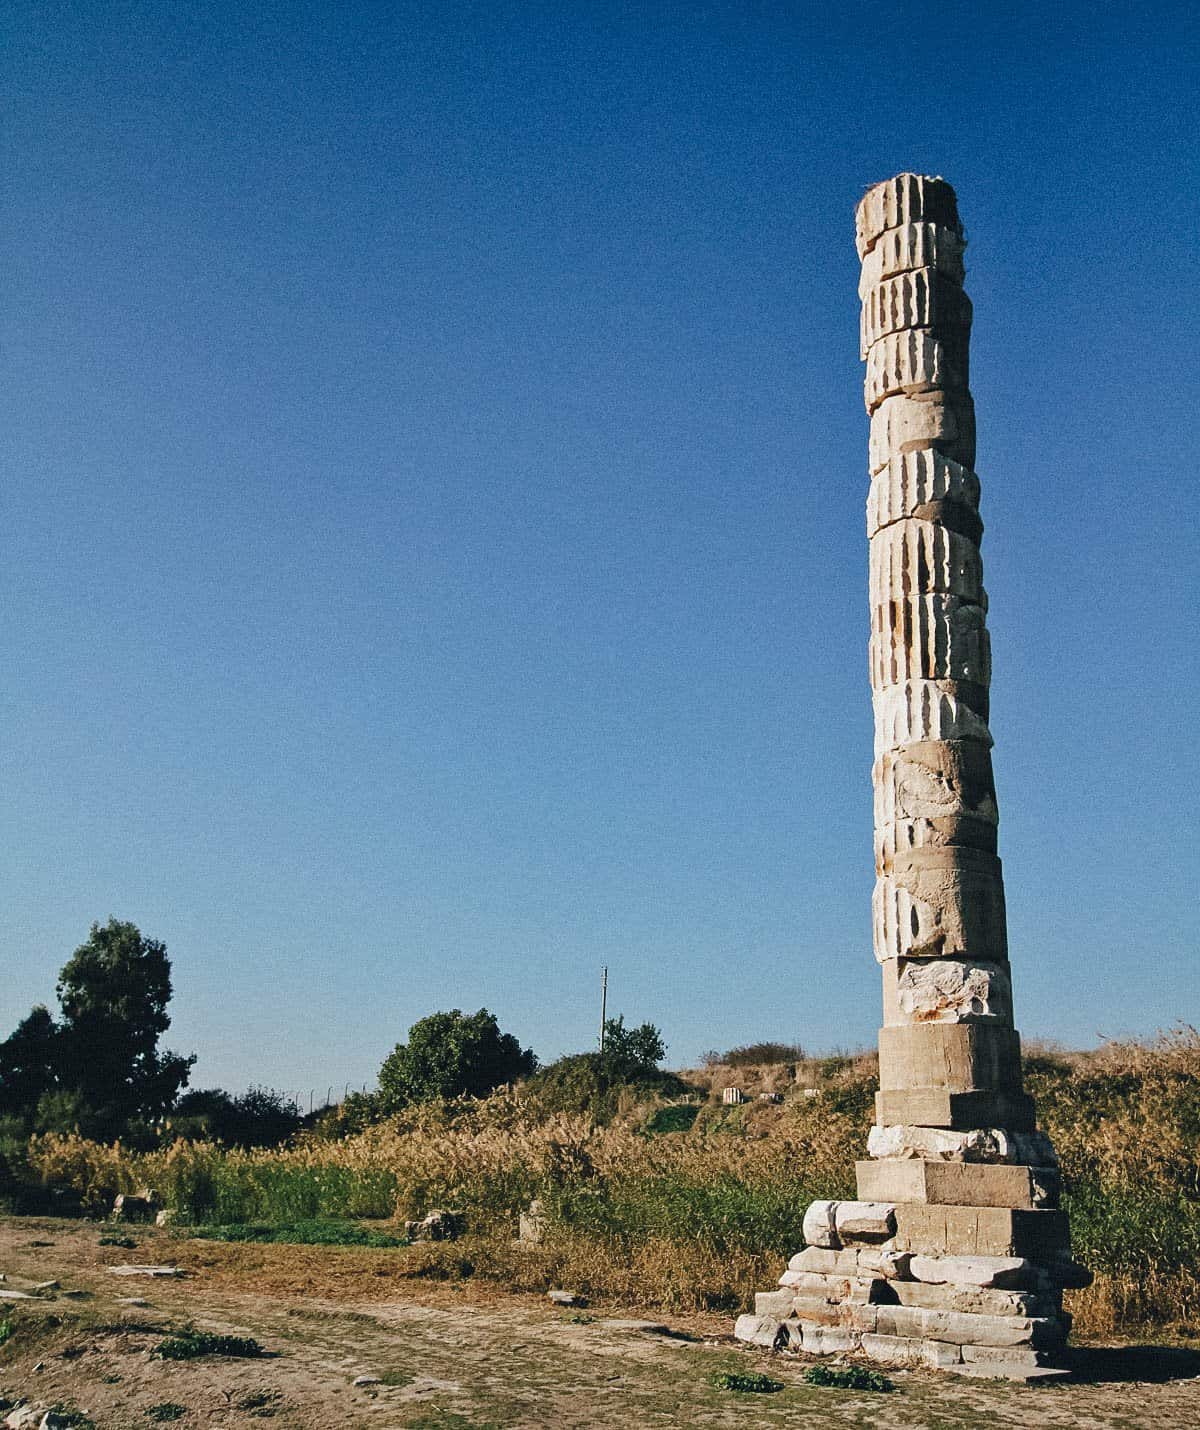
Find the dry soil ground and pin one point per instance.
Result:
(456, 1354)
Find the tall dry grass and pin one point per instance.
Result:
(703, 1217)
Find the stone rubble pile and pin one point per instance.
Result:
(956, 1254)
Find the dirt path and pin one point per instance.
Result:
(455, 1355)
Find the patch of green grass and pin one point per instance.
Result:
(746, 1382)
(301, 1233)
(69, 1415)
(126, 1241)
(261, 1403)
(672, 1119)
(6, 1329)
(851, 1378)
(581, 1318)
(190, 1344)
(166, 1410)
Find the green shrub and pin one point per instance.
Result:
(746, 1382)
(851, 1378)
(679, 1118)
(190, 1344)
(763, 1054)
(598, 1085)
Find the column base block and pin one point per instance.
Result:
(962, 1111)
(966, 1184)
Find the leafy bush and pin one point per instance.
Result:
(260, 1117)
(679, 1118)
(600, 1085)
(642, 1046)
(746, 1382)
(762, 1054)
(451, 1054)
(853, 1377)
(191, 1344)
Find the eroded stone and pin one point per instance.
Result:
(921, 299)
(929, 637)
(905, 199)
(914, 245)
(819, 1226)
(915, 711)
(914, 482)
(910, 422)
(979, 1144)
(946, 990)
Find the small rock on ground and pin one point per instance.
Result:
(145, 1270)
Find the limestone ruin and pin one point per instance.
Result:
(955, 1254)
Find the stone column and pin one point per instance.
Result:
(955, 1254)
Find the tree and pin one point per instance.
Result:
(642, 1046)
(260, 1117)
(449, 1054)
(29, 1062)
(114, 992)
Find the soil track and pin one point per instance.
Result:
(456, 1354)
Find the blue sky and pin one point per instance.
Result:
(433, 539)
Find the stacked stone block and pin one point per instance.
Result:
(955, 1254)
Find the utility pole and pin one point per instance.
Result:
(603, 1004)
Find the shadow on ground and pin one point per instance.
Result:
(1097, 1364)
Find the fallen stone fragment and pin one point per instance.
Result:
(437, 1225)
(367, 1380)
(140, 1206)
(566, 1298)
(146, 1271)
(819, 1226)
(131, 1301)
(15, 1296)
(763, 1331)
(25, 1417)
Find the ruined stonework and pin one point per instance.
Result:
(955, 1254)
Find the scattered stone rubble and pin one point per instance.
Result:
(436, 1225)
(956, 1254)
(144, 1205)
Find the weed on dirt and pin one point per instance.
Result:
(851, 1378)
(191, 1344)
(746, 1382)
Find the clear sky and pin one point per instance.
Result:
(432, 509)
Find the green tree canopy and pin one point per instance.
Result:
(449, 1054)
(114, 992)
(642, 1046)
(29, 1062)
